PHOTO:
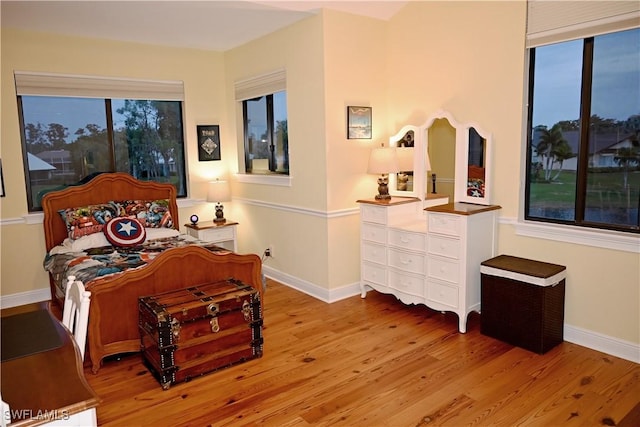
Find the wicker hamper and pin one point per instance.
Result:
(522, 302)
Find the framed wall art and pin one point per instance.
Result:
(358, 122)
(208, 142)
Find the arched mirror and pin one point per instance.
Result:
(452, 158)
(440, 139)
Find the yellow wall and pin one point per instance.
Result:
(468, 58)
(326, 72)
(22, 244)
(464, 57)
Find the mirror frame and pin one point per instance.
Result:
(421, 145)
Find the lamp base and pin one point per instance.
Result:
(219, 214)
(383, 188)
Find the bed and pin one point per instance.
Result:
(113, 316)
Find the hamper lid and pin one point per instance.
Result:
(524, 270)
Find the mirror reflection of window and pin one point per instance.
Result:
(476, 172)
(476, 148)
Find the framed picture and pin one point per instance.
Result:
(208, 142)
(1, 180)
(358, 122)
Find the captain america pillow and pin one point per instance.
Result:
(125, 232)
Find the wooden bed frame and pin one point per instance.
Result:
(113, 315)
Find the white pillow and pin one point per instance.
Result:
(98, 240)
(81, 244)
(161, 233)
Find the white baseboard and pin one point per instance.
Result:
(318, 292)
(606, 344)
(593, 340)
(22, 298)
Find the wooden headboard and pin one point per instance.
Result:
(103, 188)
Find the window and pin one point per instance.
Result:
(266, 141)
(583, 148)
(264, 123)
(68, 139)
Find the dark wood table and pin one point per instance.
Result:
(43, 382)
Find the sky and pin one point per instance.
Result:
(616, 88)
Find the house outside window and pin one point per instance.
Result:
(583, 149)
(68, 139)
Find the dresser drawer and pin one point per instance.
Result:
(406, 283)
(407, 261)
(443, 294)
(374, 273)
(444, 224)
(377, 214)
(443, 246)
(217, 234)
(407, 240)
(443, 269)
(374, 253)
(373, 233)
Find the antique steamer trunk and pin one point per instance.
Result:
(193, 331)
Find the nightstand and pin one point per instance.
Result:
(222, 234)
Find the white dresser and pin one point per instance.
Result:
(460, 236)
(433, 260)
(393, 248)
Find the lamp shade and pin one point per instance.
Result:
(383, 160)
(218, 191)
(405, 158)
(427, 162)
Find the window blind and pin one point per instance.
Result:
(79, 86)
(264, 84)
(556, 21)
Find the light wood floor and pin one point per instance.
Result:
(377, 362)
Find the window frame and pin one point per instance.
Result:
(270, 130)
(582, 168)
(36, 84)
(268, 83)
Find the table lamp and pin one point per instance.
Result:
(383, 161)
(218, 192)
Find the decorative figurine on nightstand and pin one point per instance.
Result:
(194, 219)
(219, 214)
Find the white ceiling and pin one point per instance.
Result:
(211, 25)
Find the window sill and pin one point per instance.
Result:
(278, 180)
(589, 237)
